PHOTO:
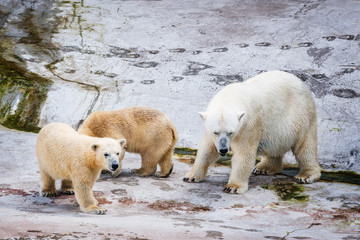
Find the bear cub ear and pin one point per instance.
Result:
(94, 147)
(203, 115)
(122, 142)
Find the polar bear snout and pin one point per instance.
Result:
(223, 144)
(223, 151)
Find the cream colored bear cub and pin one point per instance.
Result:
(147, 132)
(76, 159)
(268, 115)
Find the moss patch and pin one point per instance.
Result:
(181, 206)
(22, 96)
(288, 191)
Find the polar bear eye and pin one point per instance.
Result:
(216, 133)
(106, 154)
(230, 133)
(117, 153)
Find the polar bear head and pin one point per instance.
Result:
(110, 152)
(222, 126)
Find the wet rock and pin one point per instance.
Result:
(285, 47)
(177, 78)
(345, 93)
(123, 52)
(154, 52)
(120, 192)
(319, 76)
(347, 37)
(70, 49)
(305, 44)
(146, 64)
(263, 44)
(196, 52)
(177, 50)
(110, 75)
(180, 206)
(194, 68)
(147, 82)
(221, 49)
(129, 81)
(21, 99)
(329, 38)
(242, 45)
(224, 80)
(320, 54)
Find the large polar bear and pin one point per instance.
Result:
(147, 132)
(76, 159)
(268, 115)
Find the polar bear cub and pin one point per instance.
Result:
(76, 159)
(269, 114)
(147, 132)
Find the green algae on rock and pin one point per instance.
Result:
(288, 191)
(22, 96)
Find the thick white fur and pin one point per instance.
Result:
(76, 159)
(269, 114)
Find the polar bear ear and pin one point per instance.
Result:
(203, 115)
(94, 147)
(240, 115)
(122, 142)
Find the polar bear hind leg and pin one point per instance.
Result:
(67, 187)
(166, 165)
(149, 162)
(48, 185)
(305, 152)
(268, 166)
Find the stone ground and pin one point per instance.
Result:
(174, 56)
(152, 208)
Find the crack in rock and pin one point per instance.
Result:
(93, 102)
(300, 229)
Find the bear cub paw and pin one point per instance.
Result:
(96, 210)
(164, 175)
(67, 191)
(48, 193)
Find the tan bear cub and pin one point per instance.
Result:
(147, 131)
(269, 114)
(77, 160)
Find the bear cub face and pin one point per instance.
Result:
(110, 152)
(222, 127)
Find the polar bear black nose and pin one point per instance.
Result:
(223, 151)
(114, 166)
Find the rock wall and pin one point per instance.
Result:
(174, 56)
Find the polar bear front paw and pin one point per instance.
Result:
(234, 188)
(307, 178)
(189, 177)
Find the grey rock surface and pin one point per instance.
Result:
(168, 208)
(174, 56)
